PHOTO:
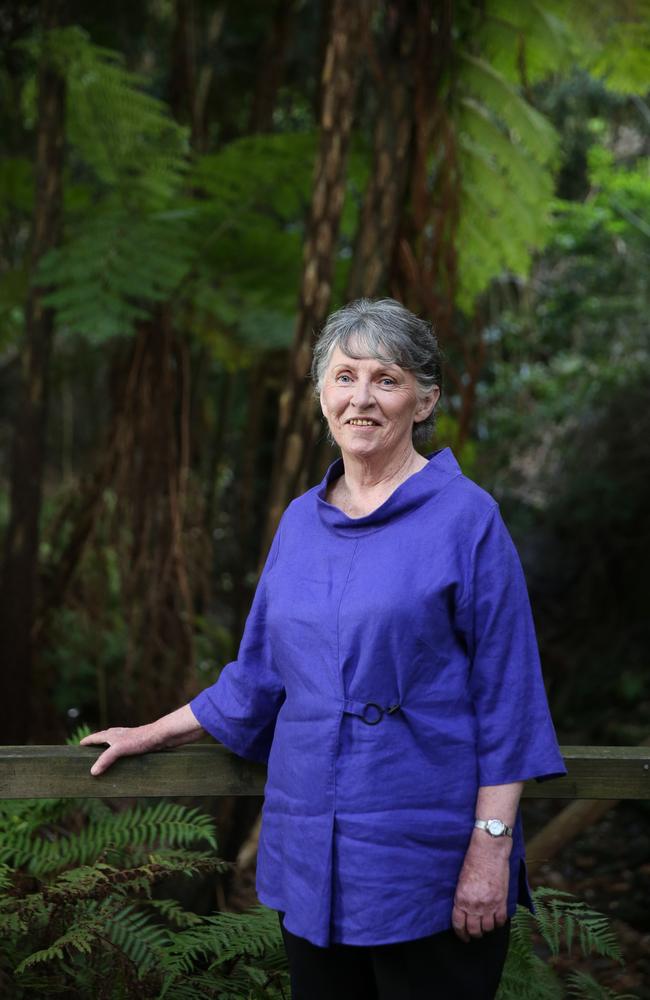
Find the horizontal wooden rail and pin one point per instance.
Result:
(64, 772)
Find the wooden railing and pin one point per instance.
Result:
(64, 772)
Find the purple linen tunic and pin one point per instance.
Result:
(418, 609)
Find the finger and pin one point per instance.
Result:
(458, 922)
(93, 738)
(473, 924)
(500, 916)
(104, 761)
(487, 922)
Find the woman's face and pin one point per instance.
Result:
(371, 406)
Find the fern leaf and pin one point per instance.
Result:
(79, 938)
(526, 976)
(535, 132)
(172, 911)
(134, 934)
(583, 986)
(165, 824)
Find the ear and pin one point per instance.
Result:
(426, 405)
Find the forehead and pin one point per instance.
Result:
(359, 357)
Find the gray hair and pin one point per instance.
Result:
(386, 330)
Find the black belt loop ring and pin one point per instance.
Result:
(378, 708)
(373, 706)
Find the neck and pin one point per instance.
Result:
(365, 476)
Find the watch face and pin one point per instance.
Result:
(496, 827)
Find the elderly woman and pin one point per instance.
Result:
(389, 674)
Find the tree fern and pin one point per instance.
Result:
(125, 136)
(506, 151)
(506, 156)
(112, 267)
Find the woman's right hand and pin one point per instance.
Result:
(122, 742)
(171, 730)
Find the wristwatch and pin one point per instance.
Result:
(495, 827)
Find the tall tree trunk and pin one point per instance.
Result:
(18, 588)
(341, 71)
(152, 493)
(424, 272)
(395, 68)
(182, 75)
(272, 63)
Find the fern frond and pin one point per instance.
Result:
(220, 939)
(79, 938)
(584, 987)
(112, 268)
(173, 912)
(561, 917)
(165, 824)
(522, 120)
(137, 937)
(526, 976)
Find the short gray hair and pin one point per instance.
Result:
(388, 331)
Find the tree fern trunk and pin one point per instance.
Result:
(341, 71)
(18, 588)
(272, 65)
(383, 201)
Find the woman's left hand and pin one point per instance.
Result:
(480, 903)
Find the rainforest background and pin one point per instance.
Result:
(187, 188)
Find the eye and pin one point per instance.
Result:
(343, 378)
(387, 380)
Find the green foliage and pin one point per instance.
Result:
(136, 151)
(615, 43)
(561, 922)
(77, 916)
(583, 986)
(446, 435)
(507, 151)
(114, 266)
(166, 824)
(122, 252)
(16, 186)
(581, 334)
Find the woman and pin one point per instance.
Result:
(389, 674)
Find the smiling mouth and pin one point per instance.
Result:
(359, 422)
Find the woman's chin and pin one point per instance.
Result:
(363, 447)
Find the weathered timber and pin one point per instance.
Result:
(598, 773)
(64, 772)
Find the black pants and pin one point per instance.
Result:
(439, 967)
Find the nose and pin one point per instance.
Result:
(362, 396)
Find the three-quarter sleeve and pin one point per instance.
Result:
(240, 709)
(515, 734)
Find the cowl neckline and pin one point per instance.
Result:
(419, 487)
